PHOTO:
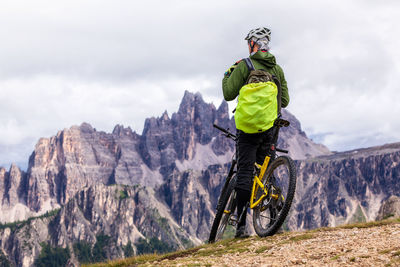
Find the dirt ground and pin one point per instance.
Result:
(364, 246)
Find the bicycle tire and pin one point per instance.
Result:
(277, 211)
(227, 202)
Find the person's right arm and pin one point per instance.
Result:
(285, 92)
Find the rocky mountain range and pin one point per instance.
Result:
(107, 195)
(345, 187)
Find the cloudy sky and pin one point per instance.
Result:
(118, 62)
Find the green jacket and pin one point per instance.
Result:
(232, 82)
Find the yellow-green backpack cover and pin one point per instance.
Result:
(257, 107)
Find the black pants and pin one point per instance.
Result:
(250, 148)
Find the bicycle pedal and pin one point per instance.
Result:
(233, 220)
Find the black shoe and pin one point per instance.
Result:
(241, 232)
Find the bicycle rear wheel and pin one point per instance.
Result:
(225, 210)
(280, 180)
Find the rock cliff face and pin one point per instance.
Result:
(390, 208)
(345, 187)
(81, 156)
(122, 213)
(167, 143)
(13, 188)
(164, 184)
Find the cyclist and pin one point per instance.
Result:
(251, 148)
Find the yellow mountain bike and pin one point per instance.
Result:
(273, 190)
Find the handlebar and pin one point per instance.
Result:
(220, 128)
(234, 137)
(282, 150)
(226, 132)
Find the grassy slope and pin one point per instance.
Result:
(235, 246)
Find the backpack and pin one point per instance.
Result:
(259, 101)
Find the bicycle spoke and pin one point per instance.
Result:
(224, 218)
(267, 217)
(221, 231)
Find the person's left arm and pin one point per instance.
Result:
(233, 80)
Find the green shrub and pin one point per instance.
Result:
(83, 251)
(4, 262)
(52, 256)
(388, 216)
(153, 245)
(128, 250)
(98, 252)
(88, 254)
(19, 224)
(123, 194)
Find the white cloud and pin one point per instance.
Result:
(41, 106)
(348, 89)
(110, 62)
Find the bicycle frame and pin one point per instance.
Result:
(257, 183)
(264, 188)
(263, 168)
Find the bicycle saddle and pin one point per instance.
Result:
(281, 123)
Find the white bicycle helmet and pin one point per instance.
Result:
(258, 34)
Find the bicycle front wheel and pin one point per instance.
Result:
(225, 210)
(280, 181)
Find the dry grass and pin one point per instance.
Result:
(234, 246)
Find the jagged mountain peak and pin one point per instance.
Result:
(294, 123)
(187, 102)
(191, 102)
(120, 130)
(165, 116)
(153, 122)
(164, 140)
(86, 127)
(15, 170)
(190, 97)
(223, 108)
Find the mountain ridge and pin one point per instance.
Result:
(373, 150)
(180, 162)
(80, 155)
